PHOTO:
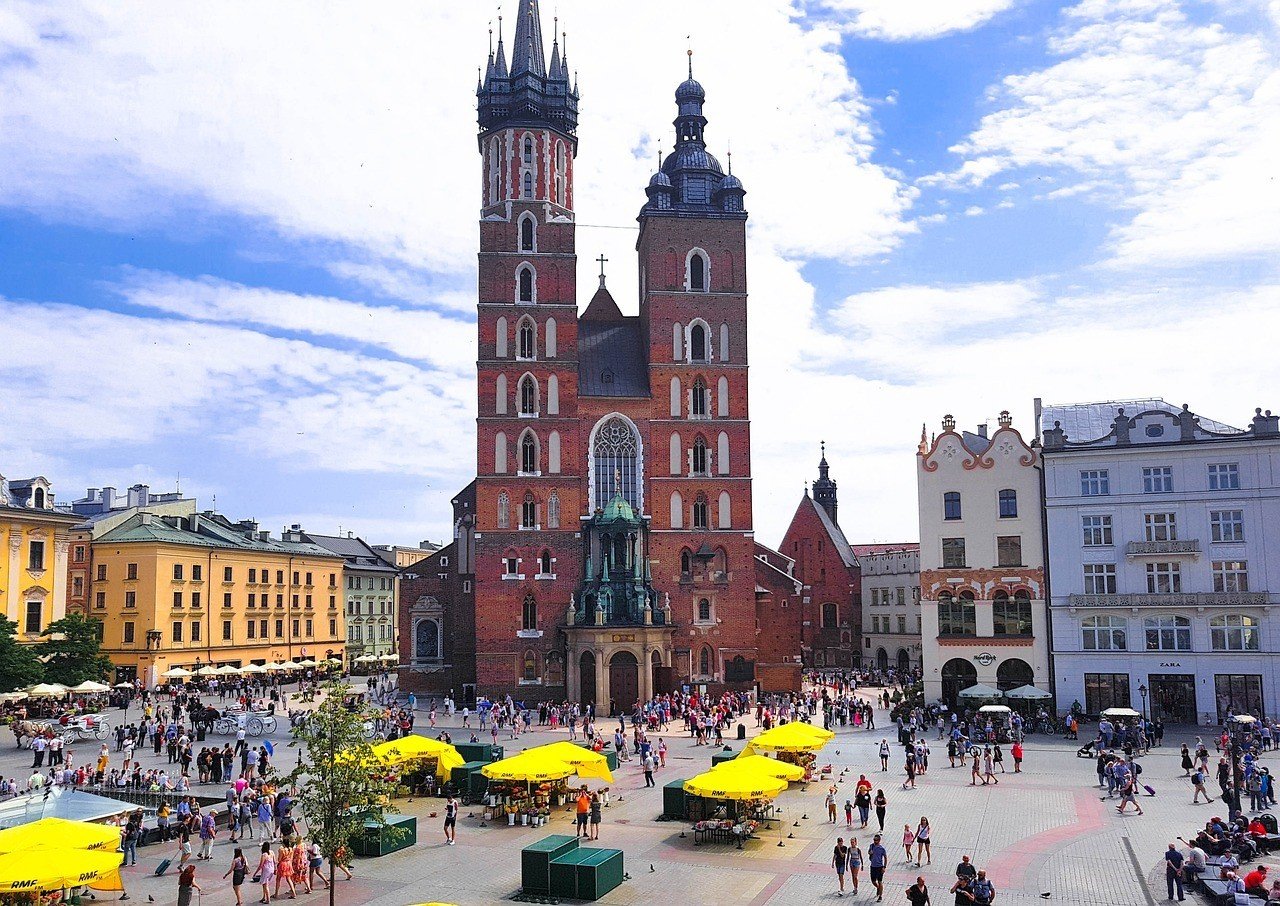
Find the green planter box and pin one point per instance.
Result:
(673, 803)
(722, 756)
(535, 861)
(564, 873)
(598, 873)
(460, 774)
(479, 751)
(399, 832)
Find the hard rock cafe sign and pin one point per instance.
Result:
(986, 658)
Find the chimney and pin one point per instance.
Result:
(350, 534)
(194, 522)
(145, 518)
(982, 430)
(91, 495)
(108, 499)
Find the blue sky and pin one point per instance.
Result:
(238, 244)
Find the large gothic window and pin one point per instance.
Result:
(700, 520)
(528, 396)
(426, 643)
(615, 455)
(504, 510)
(698, 401)
(526, 291)
(529, 511)
(526, 343)
(698, 343)
(699, 456)
(528, 454)
(526, 234)
(529, 618)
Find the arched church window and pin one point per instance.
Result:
(705, 664)
(700, 520)
(528, 150)
(526, 346)
(526, 287)
(426, 643)
(699, 456)
(528, 184)
(615, 468)
(528, 396)
(530, 615)
(698, 343)
(698, 401)
(529, 511)
(530, 666)
(528, 454)
(686, 564)
(526, 234)
(544, 563)
(553, 510)
(504, 510)
(704, 610)
(697, 275)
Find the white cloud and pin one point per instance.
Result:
(422, 336)
(1173, 120)
(904, 20)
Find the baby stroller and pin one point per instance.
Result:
(1087, 750)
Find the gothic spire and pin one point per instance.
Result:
(500, 68)
(824, 489)
(554, 69)
(526, 55)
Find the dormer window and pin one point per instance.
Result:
(38, 499)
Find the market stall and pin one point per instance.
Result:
(763, 765)
(53, 857)
(421, 764)
(994, 723)
(58, 832)
(795, 743)
(735, 803)
(525, 787)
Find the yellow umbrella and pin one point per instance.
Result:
(528, 766)
(792, 737)
(762, 766)
(53, 869)
(59, 833)
(589, 764)
(734, 785)
(409, 747)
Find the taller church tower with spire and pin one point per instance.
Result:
(614, 550)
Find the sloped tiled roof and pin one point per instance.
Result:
(611, 359)
(1090, 421)
(837, 537)
(868, 550)
(357, 554)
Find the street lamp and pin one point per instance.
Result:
(1142, 690)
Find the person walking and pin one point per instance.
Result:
(1197, 781)
(239, 868)
(186, 884)
(908, 839)
(884, 754)
(855, 863)
(877, 858)
(988, 775)
(976, 770)
(266, 871)
(1187, 763)
(315, 861)
(1129, 794)
(184, 845)
(924, 837)
(998, 756)
(839, 861)
(882, 805)
(450, 820)
(862, 799)
(1016, 752)
(963, 892)
(648, 769)
(918, 894)
(830, 803)
(848, 814)
(983, 890)
(1173, 868)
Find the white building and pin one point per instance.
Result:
(1164, 559)
(890, 605)
(983, 616)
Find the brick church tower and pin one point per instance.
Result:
(614, 555)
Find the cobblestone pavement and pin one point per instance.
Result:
(1043, 831)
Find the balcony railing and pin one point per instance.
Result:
(1162, 548)
(1186, 599)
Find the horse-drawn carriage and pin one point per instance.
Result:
(254, 723)
(70, 727)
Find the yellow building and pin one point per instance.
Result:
(33, 559)
(186, 591)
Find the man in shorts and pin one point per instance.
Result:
(877, 858)
(584, 810)
(450, 820)
(840, 862)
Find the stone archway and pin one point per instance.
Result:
(1014, 672)
(904, 661)
(957, 674)
(624, 682)
(587, 678)
(882, 659)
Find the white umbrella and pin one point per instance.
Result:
(123, 686)
(332, 661)
(206, 670)
(366, 659)
(307, 663)
(980, 691)
(228, 670)
(91, 686)
(391, 657)
(176, 673)
(272, 666)
(1028, 692)
(47, 690)
(1120, 712)
(12, 696)
(253, 668)
(290, 665)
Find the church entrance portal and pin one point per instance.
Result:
(587, 683)
(624, 681)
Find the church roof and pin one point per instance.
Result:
(611, 358)
(602, 307)
(837, 537)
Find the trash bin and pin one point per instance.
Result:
(200, 733)
(742, 730)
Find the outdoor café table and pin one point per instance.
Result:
(719, 835)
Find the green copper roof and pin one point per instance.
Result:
(619, 509)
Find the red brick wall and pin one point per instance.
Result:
(826, 579)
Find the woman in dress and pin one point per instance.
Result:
(908, 839)
(239, 868)
(1187, 763)
(924, 836)
(284, 869)
(300, 873)
(265, 871)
